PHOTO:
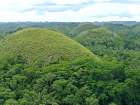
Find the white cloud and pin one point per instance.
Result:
(100, 10)
(77, 1)
(70, 1)
(103, 9)
(101, 0)
(134, 9)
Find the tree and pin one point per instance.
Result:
(92, 100)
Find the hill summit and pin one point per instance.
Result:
(42, 45)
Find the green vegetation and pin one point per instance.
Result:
(42, 45)
(43, 67)
(100, 40)
(81, 28)
(123, 45)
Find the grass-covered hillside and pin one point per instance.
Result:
(42, 45)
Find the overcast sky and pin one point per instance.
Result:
(69, 10)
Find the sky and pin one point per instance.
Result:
(69, 10)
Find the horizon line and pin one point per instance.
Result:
(62, 21)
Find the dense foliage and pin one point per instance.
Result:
(80, 82)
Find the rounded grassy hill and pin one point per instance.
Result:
(41, 45)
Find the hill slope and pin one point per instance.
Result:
(81, 28)
(100, 40)
(42, 45)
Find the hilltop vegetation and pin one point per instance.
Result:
(41, 45)
(43, 67)
(100, 40)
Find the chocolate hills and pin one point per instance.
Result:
(42, 45)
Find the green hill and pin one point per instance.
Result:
(41, 45)
(81, 28)
(100, 40)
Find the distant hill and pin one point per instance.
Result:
(126, 23)
(42, 45)
(68, 28)
(64, 27)
(82, 27)
(100, 40)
